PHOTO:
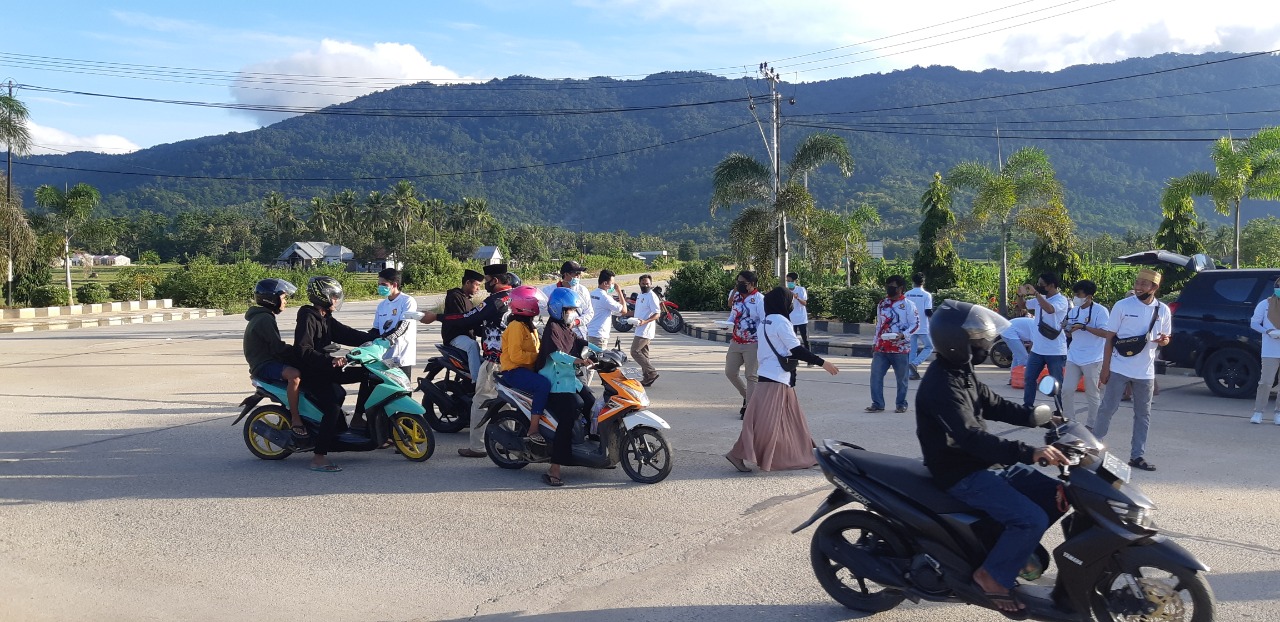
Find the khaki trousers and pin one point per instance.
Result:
(742, 355)
(486, 389)
(640, 354)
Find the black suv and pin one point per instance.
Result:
(1211, 332)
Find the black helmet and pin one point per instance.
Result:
(267, 293)
(322, 290)
(961, 329)
(513, 280)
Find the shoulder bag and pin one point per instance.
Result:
(1131, 346)
(787, 363)
(1046, 331)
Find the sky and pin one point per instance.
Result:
(217, 51)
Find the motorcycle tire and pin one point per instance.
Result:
(870, 534)
(512, 422)
(646, 455)
(440, 419)
(275, 416)
(1169, 587)
(412, 436)
(1001, 356)
(672, 323)
(620, 324)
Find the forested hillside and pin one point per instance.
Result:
(426, 133)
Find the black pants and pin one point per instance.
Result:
(567, 408)
(803, 331)
(326, 392)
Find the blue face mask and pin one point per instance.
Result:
(573, 282)
(384, 290)
(791, 284)
(1276, 291)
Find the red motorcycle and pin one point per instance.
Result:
(670, 319)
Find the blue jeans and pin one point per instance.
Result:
(1022, 499)
(1035, 363)
(925, 348)
(1018, 351)
(880, 364)
(529, 381)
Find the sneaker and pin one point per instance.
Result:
(1140, 463)
(649, 381)
(875, 409)
(915, 373)
(1257, 418)
(900, 409)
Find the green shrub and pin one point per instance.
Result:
(820, 300)
(136, 283)
(430, 267)
(701, 286)
(48, 296)
(856, 304)
(959, 294)
(203, 283)
(92, 294)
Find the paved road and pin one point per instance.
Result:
(126, 495)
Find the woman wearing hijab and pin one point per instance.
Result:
(775, 435)
(560, 354)
(1266, 320)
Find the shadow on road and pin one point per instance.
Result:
(831, 612)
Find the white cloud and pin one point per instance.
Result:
(337, 71)
(48, 140)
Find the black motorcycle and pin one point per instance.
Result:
(447, 390)
(913, 540)
(670, 320)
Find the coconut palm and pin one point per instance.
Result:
(279, 210)
(1243, 169)
(320, 215)
(66, 213)
(742, 179)
(404, 197)
(346, 215)
(1007, 197)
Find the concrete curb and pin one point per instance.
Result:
(28, 313)
(71, 321)
(820, 340)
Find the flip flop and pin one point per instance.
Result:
(327, 468)
(549, 480)
(994, 601)
(303, 434)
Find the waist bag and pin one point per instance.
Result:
(1131, 346)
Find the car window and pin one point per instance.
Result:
(1235, 290)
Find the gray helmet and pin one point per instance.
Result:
(325, 292)
(268, 291)
(961, 329)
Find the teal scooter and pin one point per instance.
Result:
(392, 413)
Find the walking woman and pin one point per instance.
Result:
(1266, 320)
(775, 435)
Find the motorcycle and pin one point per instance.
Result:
(1001, 355)
(915, 541)
(447, 401)
(670, 320)
(390, 410)
(620, 431)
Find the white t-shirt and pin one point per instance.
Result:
(406, 349)
(1020, 328)
(1053, 317)
(603, 308)
(646, 305)
(783, 337)
(923, 301)
(799, 312)
(1131, 317)
(1262, 324)
(1087, 348)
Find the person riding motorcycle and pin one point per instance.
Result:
(559, 356)
(322, 375)
(487, 322)
(952, 410)
(269, 357)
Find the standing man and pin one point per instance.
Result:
(457, 302)
(606, 302)
(488, 320)
(800, 310)
(896, 321)
(395, 307)
(570, 277)
(645, 321)
(921, 344)
(1087, 331)
(746, 312)
(1138, 325)
(1048, 340)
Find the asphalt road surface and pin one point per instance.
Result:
(125, 494)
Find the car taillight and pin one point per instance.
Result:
(1173, 308)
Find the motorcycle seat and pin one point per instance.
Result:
(909, 477)
(513, 389)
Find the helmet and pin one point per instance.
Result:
(523, 301)
(961, 329)
(268, 291)
(562, 298)
(513, 280)
(322, 290)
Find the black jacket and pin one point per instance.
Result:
(486, 321)
(456, 305)
(262, 343)
(315, 331)
(952, 410)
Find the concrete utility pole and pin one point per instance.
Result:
(8, 197)
(782, 265)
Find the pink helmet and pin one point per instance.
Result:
(523, 301)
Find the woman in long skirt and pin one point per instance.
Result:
(775, 435)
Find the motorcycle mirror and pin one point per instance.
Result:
(658, 290)
(1049, 386)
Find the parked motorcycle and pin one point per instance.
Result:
(670, 320)
(913, 540)
(390, 410)
(621, 430)
(447, 400)
(1001, 356)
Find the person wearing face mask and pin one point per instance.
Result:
(1138, 326)
(800, 308)
(746, 311)
(395, 306)
(896, 320)
(488, 321)
(571, 278)
(606, 302)
(1048, 340)
(645, 321)
(1266, 320)
(1087, 336)
(457, 303)
(560, 353)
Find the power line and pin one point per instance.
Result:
(989, 136)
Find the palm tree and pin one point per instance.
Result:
(320, 218)
(346, 214)
(279, 210)
(404, 197)
(1003, 196)
(67, 212)
(1243, 169)
(742, 179)
(430, 212)
(17, 141)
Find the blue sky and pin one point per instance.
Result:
(412, 41)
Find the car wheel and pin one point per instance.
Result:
(1232, 372)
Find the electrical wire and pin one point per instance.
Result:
(1003, 135)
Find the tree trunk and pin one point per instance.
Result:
(1004, 269)
(1236, 265)
(66, 253)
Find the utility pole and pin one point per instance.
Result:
(8, 197)
(782, 265)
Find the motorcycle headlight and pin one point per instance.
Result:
(1134, 515)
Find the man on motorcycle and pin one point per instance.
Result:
(268, 355)
(952, 408)
(457, 302)
(489, 320)
(323, 375)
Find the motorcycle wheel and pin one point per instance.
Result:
(412, 436)
(672, 323)
(510, 422)
(446, 421)
(1001, 356)
(646, 455)
(861, 530)
(1176, 593)
(275, 416)
(620, 324)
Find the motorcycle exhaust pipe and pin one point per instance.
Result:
(281, 438)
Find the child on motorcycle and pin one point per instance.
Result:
(559, 356)
(266, 352)
(520, 351)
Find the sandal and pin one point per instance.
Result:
(327, 468)
(1141, 463)
(552, 480)
(737, 464)
(300, 431)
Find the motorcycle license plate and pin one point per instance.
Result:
(1117, 467)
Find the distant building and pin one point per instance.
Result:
(875, 248)
(488, 255)
(111, 260)
(312, 254)
(383, 260)
(649, 256)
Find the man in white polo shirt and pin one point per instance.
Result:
(1048, 340)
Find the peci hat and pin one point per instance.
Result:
(1150, 275)
(494, 269)
(471, 275)
(571, 267)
